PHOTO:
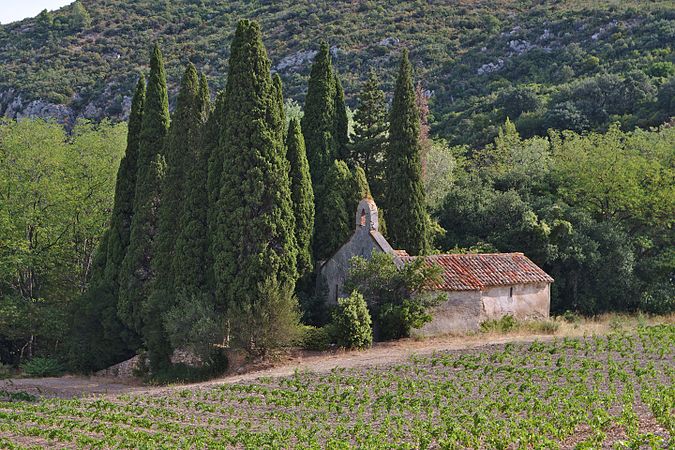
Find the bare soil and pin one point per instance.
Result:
(381, 353)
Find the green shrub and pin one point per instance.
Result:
(616, 323)
(503, 325)
(42, 367)
(183, 373)
(543, 326)
(265, 326)
(400, 298)
(194, 324)
(353, 326)
(5, 371)
(318, 338)
(660, 299)
(571, 317)
(142, 368)
(19, 396)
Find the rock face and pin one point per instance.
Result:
(129, 368)
(491, 67)
(299, 59)
(295, 60)
(125, 369)
(15, 106)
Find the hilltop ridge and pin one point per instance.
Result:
(479, 61)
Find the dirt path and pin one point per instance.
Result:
(380, 354)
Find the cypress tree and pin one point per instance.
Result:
(318, 123)
(204, 100)
(370, 133)
(136, 272)
(405, 204)
(361, 186)
(279, 96)
(302, 195)
(182, 138)
(334, 216)
(97, 337)
(211, 143)
(254, 244)
(341, 122)
(125, 187)
(192, 241)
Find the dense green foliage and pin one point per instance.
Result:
(267, 322)
(192, 240)
(352, 322)
(97, 338)
(194, 324)
(399, 298)
(184, 137)
(319, 120)
(136, 273)
(212, 223)
(302, 196)
(325, 128)
(254, 244)
(334, 211)
(481, 61)
(403, 189)
(341, 125)
(42, 367)
(125, 187)
(212, 147)
(370, 133)
(535, 395)
(595, 211)
(56, 192)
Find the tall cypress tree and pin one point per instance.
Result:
(341, 122)
(405, 204)
(125, 187)
(136, 272)
(301, 194)
(192, 241)
(183, 136)
(335, 212)
(204, 100)
(97, 337)
(361, 186)
(211, 144)
(370, 133)
(279, 95)
(318, 123)
(254, 245)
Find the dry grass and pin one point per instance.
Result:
(572, 325)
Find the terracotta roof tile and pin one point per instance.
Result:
(473, 272)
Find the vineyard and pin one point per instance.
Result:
(613, 391)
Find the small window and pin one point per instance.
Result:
(363, 217)
(511, 292)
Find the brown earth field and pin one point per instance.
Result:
(69, 386)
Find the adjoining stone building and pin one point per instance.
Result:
(478, 287)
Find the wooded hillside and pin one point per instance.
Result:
(567, 64)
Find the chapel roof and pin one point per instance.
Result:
(474, 272)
